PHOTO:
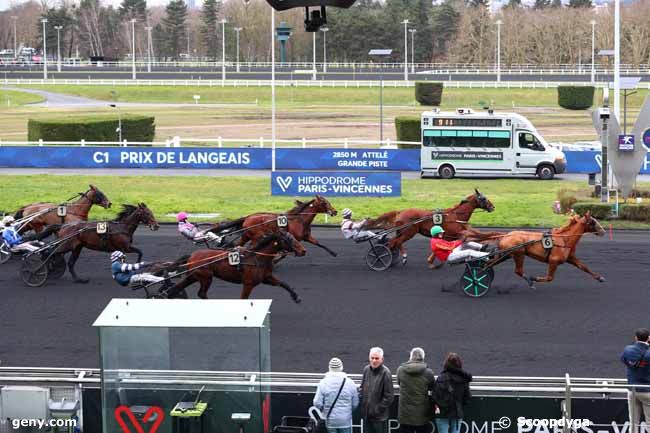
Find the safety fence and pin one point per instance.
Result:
(499, 404)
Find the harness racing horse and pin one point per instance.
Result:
(414, 221)
(118, 236)
(565, 241)
(256, 266)
(300, 217)
(76, 211)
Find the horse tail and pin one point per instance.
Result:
(53, 228)
(478, 236)
(384, 221)
(234, 224)
(179, 263)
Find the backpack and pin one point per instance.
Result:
(443, 394)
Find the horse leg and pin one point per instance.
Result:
(519, 269)
(578, 264)
(399, 240)
(246, 290)
(205, 285)
(550, 273)
(71, 262)
(314, 241)
(178, 289)
(132, 249)
(272, 281)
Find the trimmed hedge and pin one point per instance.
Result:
(628, 212)
(408, 129)
(634, 212)
(428, 93)
(598, 210)
(575, 97)
(96, 128)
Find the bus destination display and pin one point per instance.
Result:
(485, 123)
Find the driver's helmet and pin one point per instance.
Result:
(347, 213)
(436, 230)
(6, 221)
(116, 255)
(182, 216)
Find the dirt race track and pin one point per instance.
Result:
(573, 324)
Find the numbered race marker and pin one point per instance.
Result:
(283, 221)
(233, 258)
(102, 227)
(61, 211)
(547, 241)
(437, 218)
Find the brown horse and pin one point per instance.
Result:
(454, 221)
(256, 266)
(76, 211)
(300, 217)
(565, 241)
(119, 235)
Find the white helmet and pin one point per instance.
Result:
(116, 255)
(8, 220)
(347, 213)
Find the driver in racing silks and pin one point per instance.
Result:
(125, 273)
(191, 232)
(352, 230)
(15, 241)
(452, 251)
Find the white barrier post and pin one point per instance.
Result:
(345, 143)
(83, 142)
(261, 141)
(125, 144)
(40, 142)
(176, 140)
(304, 142)
(219, 142)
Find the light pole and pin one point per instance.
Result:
(188, 41)
(406, 50)
(149, 50)
(15, 18)
(272, 89)
(381, 53)
(133, 47)
(617, 59)
(223, 49)
(324, 30)
(44, 21)
(58, 47)
(237, 30)
(498, 23)
(412, 50)
(593, 50)
(313, 51)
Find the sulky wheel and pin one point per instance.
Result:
(33, 271)
(56, 266)
(476, 281)
(379, 257)
(5, 254)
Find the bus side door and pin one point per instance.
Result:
(528, 151)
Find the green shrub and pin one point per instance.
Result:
(633, 212)
(408, 129)
(96, 128)
(575, 97)
(428, 93)
(598, 210)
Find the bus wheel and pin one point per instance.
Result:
(545, 172)
(446, 172)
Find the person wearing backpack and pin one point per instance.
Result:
(451, 394)
(636, 358)
(336, 398)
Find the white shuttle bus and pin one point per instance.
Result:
(464, 143)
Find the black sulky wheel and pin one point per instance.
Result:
(476, 281)
(379, 257)
(5, 254)
(56, 266)
(34, 271)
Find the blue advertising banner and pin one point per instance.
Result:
(589, 161)
(348, 159)
(359, 184)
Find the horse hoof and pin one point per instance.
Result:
(297, 299)
(82, 280)
(404, 261)
(532, 287)
(601, 279)
(333, 254)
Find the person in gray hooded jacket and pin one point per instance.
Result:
(340, 419)
(415, 381)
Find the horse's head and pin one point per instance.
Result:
(97, 197)
(482, 201)
(592, 225)
(145, 216)
(322, 205)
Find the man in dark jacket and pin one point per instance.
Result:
(451, 394)
(376, 393)
(415, 405)
(636, 358)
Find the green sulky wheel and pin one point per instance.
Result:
(476, 281)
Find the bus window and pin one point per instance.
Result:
(529, 141)
(466, 138)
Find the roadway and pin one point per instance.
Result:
(573, 324)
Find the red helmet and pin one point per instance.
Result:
(181, 216)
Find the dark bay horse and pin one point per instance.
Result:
(119, 235)
(565, 241)
(76, 211)
(256, 266)
(454, 223)
(300, 217)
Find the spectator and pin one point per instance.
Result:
(415, 381)
(636, 358)
(376, 393)
(451, 394)
(340, 417)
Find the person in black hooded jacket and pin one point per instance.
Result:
(451, 394)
